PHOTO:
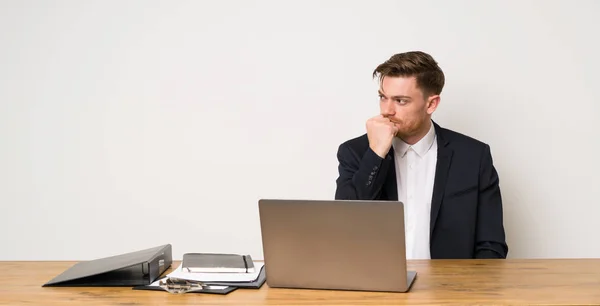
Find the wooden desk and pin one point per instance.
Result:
(560, 281)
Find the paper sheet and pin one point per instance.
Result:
(218, 277)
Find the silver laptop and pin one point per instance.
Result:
(339, 245)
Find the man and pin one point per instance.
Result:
(446, 180)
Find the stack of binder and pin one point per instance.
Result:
(143, 270)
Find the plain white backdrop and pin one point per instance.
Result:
(129, 124)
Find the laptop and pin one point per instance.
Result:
(335, 244)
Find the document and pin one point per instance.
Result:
(209, 277)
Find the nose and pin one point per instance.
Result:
(387, 108)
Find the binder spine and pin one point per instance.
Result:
(159, 264)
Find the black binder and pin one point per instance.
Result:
(130, 269)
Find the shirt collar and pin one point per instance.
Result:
(421, 147)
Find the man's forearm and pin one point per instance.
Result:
(361, 179)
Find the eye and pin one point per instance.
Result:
(381, 97)
(402, 101)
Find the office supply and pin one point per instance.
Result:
(217, 263)
(182, 286)
(130, 269)
(571, 281)
(181, 281)
(220, 278)
(345, 245)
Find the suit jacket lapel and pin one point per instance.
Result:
(444, 158)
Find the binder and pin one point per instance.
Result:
(131, 269)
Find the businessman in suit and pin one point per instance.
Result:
(446, 180)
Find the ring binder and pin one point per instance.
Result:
(130, 269)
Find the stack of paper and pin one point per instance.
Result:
(210, 282)
(209, 277)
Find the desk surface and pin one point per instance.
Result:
(534, 281)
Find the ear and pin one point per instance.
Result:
(432, 103)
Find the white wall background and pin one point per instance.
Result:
(129, 124)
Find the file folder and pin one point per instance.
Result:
(215, 287)
(131, 269)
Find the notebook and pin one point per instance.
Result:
(217, 263)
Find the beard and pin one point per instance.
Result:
(407, 129)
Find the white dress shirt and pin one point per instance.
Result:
(415, 173)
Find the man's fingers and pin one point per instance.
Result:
(384, 119)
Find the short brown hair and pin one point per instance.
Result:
(429, 76)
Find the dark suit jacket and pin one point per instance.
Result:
(466, 207)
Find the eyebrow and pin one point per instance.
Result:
(395, 97)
